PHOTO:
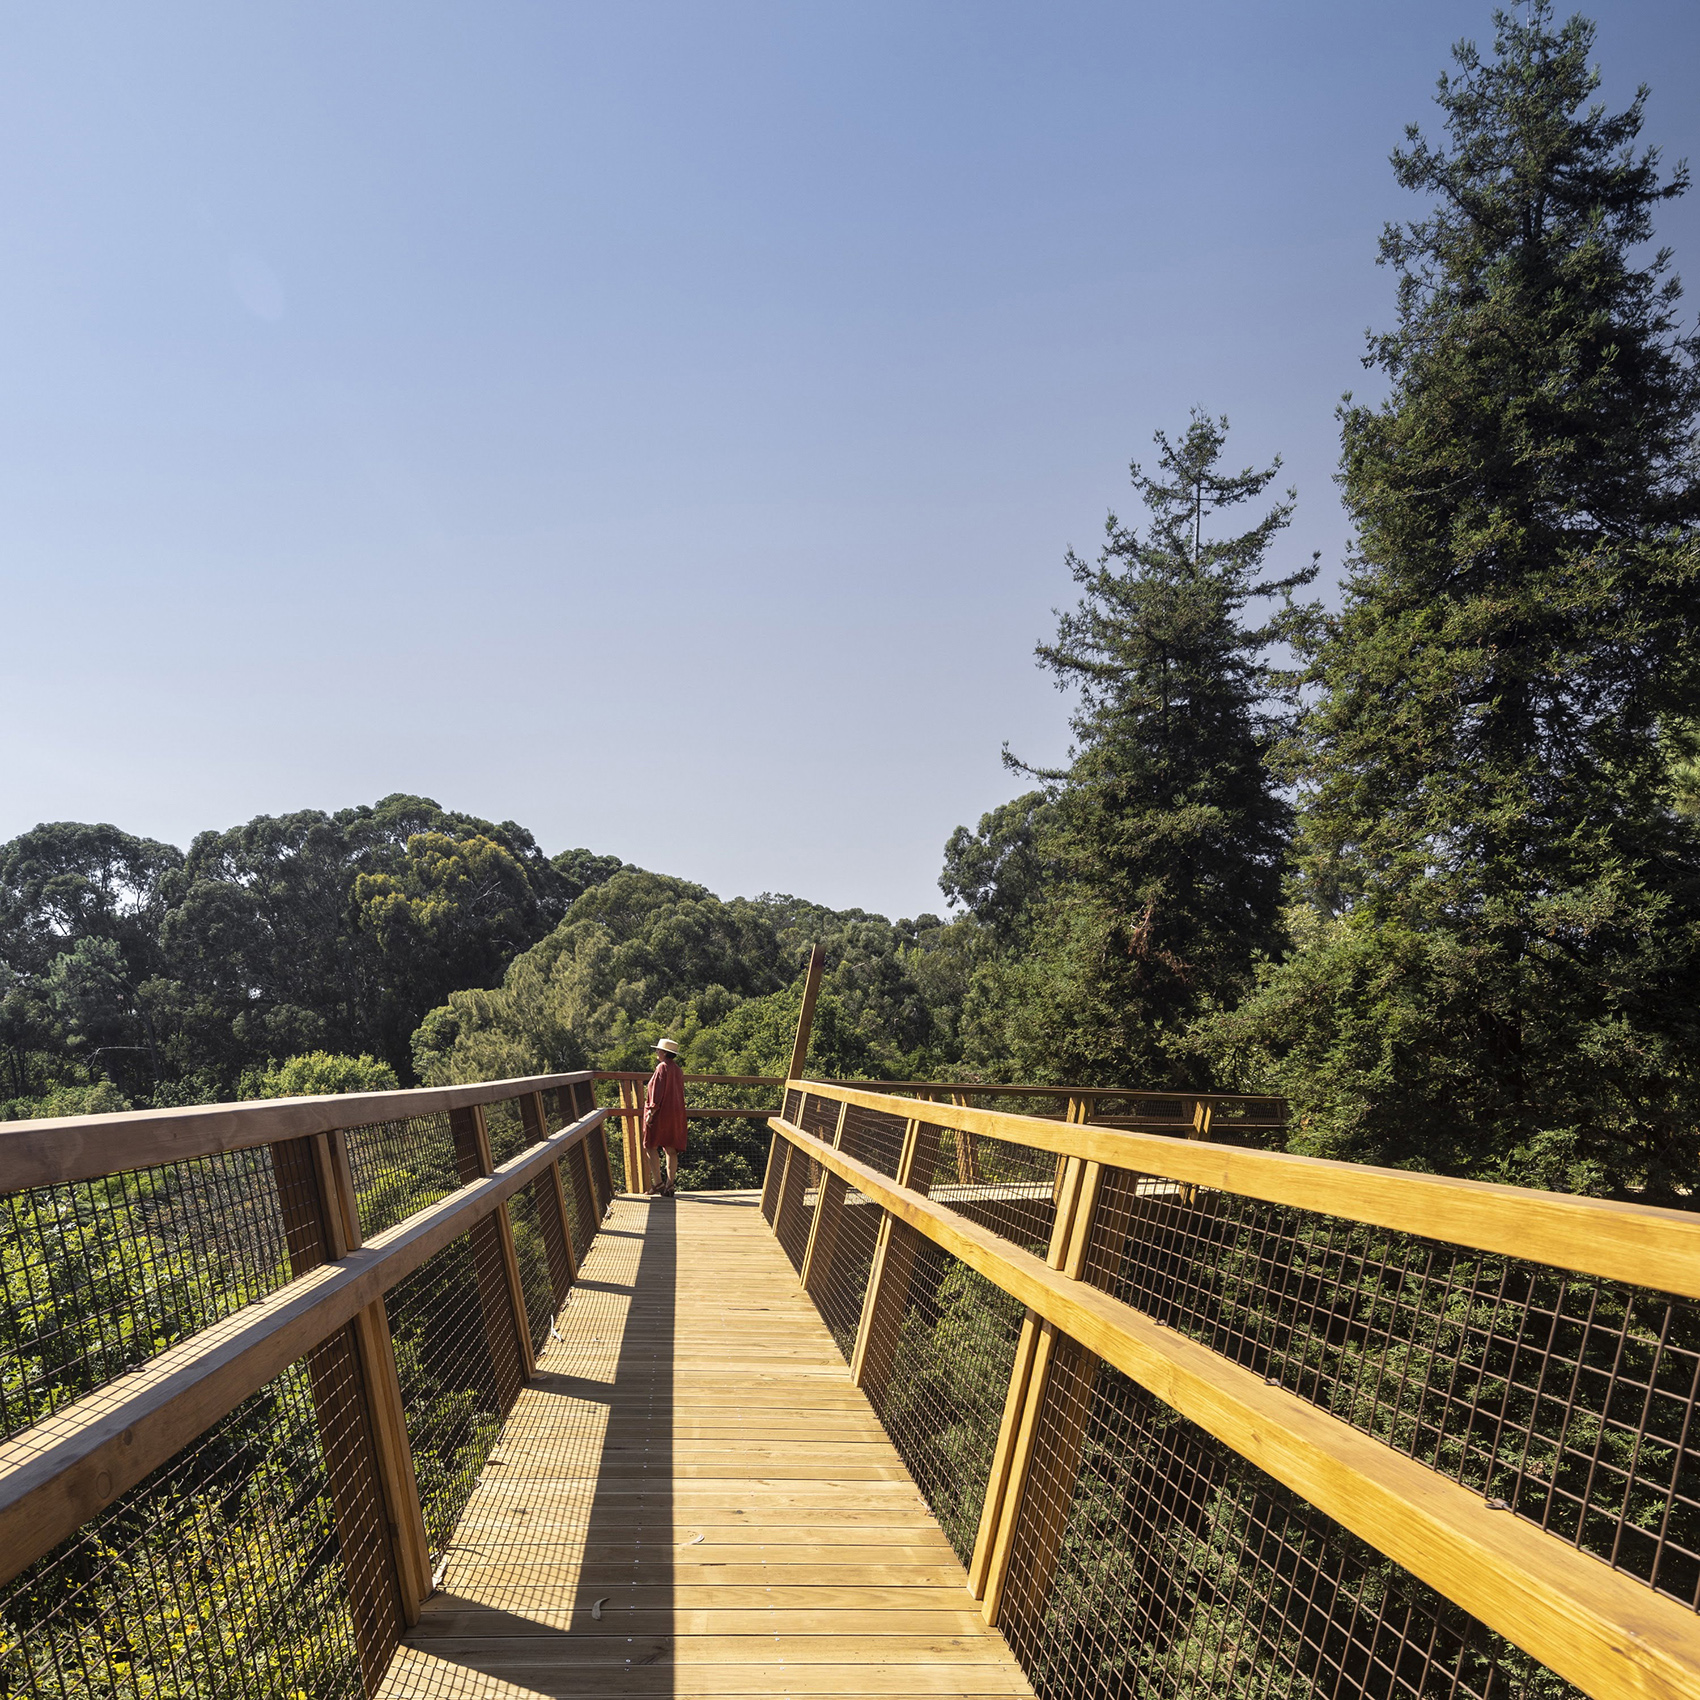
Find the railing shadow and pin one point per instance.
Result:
(561, 1595)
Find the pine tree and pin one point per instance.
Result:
(1504, 897)
(1167, 834)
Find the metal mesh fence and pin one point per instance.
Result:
(581, 1202)
(99, 1276)
(936, 1369)
(796, 1204)
(874, 1137)
(400, 1167)
(1010, 1189)
(615, 1146)
(820, 1116)
(844, 1253)
(579, 1228)
(1150, 1560)
(601, 1181)
(507, 1130)
(253, 1564)
(458, 1364)
(1571, 1399)
(526, 1223)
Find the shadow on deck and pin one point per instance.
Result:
(692, 1499)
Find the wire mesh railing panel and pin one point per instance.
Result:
(874, 1137)
(400, 1167)
(455, 1387)
(221, 1574)
(579, 1230)
(1255, 1123)
(820, 1116)
(940, 1349)
(100, 1276)
(601, 1181)
(1571, 1399)
(533, 1257)
(615, 1145)
(838, 1277)
(1010, 1189)
(1151, 1560)
(793, 1098)
(796, 1205)
(581, 1201)
(505, 1125)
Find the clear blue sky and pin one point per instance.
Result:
(658, 424)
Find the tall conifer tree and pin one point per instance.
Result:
(1504, 972)
(1168, 835)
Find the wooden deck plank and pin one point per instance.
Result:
(691, 1499)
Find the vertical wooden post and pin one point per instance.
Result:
(893, 1266)
(577, 1101)
(506, 1331)
(1071, 1238)
(552, 1214)
(637, 1163)
(346, 1399)
(806, 1015)
(967, 1148)
(376, 1355)
(829, 1208)
(1032, 1352)
(778, 1156)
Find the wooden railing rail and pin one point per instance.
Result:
(59, 1473)
(1590, 1623)
(1641, 1244)
(1203, 1113)
(72, 1148)
(328, 1315)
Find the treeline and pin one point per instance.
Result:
(399, 942)
(131, 972)
(1429, 865)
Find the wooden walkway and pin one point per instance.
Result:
(692, 1499)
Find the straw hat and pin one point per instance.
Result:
(669, 1046)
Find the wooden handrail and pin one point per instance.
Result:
(995, 1088)
(1642, 1244)
(1594, 1626)
(62, 1470)
(79, 1148)
(1012, 1090)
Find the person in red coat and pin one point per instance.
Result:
(664, 1115)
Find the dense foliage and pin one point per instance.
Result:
(131, 970)
(1144, 883)
(1488, 961)
(1499, 881)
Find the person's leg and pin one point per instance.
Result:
(672, 1158)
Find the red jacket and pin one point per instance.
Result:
(664, 1108)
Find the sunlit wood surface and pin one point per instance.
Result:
(693, 1463)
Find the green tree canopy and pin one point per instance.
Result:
(1143, 885)
(1505, 898)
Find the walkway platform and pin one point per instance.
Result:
(691, 1499)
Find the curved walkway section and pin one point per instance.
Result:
(691, 1499)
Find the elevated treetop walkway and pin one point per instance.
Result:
(391, 1394)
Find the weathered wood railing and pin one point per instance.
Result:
(232, 1265)
(1200, 1417)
